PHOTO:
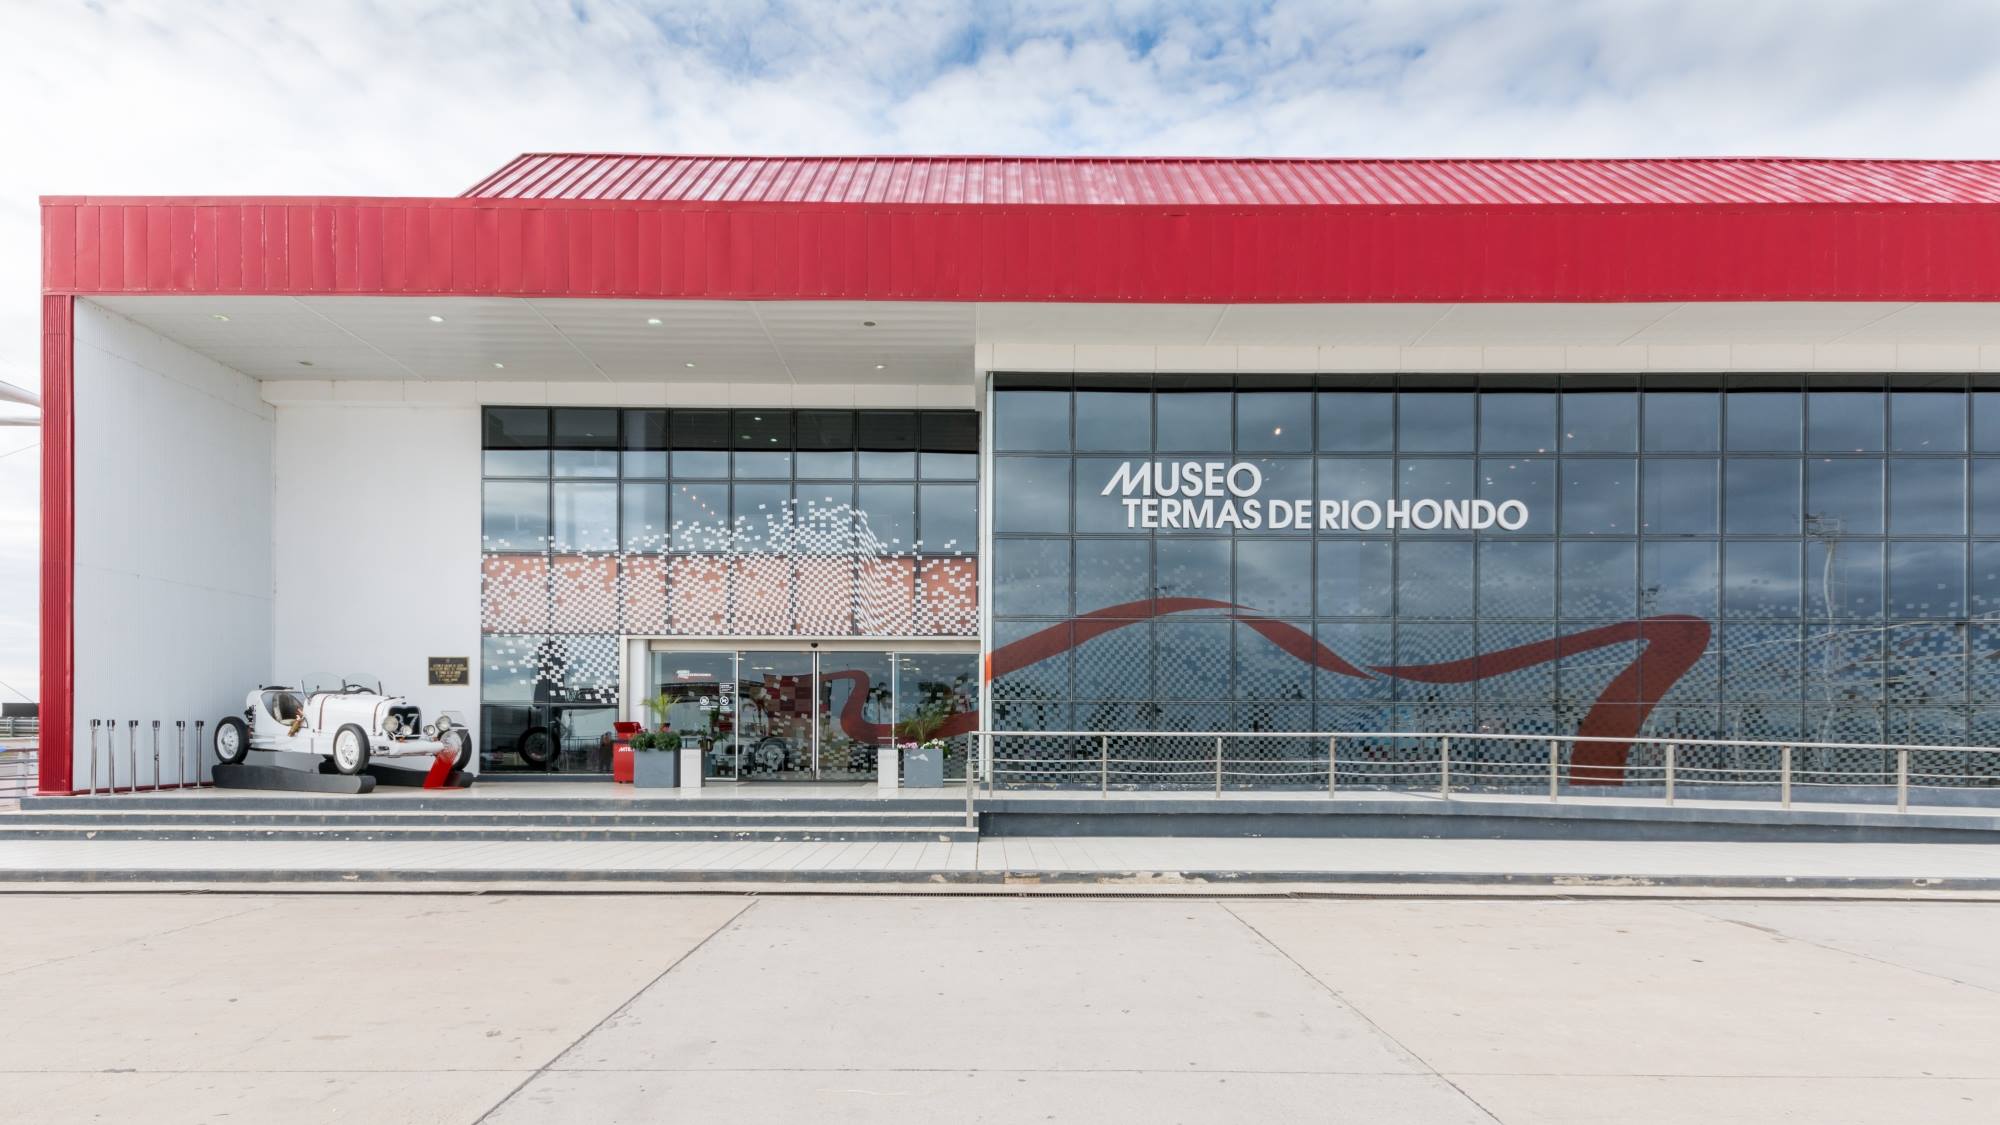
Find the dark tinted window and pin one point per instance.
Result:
(1762, 421)
(1435, 421)
(1517, 423)
(1845, 421)
(1365, 421)
(1600, 422)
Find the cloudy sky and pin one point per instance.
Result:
(417, 97)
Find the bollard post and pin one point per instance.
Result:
(94, 724)
(157, 776)
(198, 724)
(1218, 766)
(132, 755)
(1902, 781)
(1670, 773)
(1104, 765)
(111, 754)
(1444, 768)
(1785, 777)
(1554, 787)
(180, 753)
(1332, 764)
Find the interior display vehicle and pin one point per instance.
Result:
(348, 725)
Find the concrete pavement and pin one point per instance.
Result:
(642, 1008)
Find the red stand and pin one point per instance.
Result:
(621, 751)
(440, 771)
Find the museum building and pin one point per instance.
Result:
(794, 454)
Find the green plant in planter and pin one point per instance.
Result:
(665, 740)
(923, 726)
(659, 705)
(641, 741)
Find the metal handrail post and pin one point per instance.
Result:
(1555, 787)
(1785, 776)
(156, 755)
(111, 754)
(971, 780)
(1902, 781)
(1332, 764)
(198, 725)
(1670, 773)
(180, 753)
(132, 755)
(1218, 766)
(1444, 768)
(1104, 766)
(94, 724)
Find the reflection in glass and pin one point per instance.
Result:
(1031, 494)
(1680, 497)
(1926, 497)
(1844, 578)
(1531, 480)
(1683, 421)
(1517, 422)
(1986, 496)
(1193, 421)
(1031, 577)
(1434, 578)
(1435, 422)
(1113, 572)
(1274, 422)
(514, 516)
(1844, 496)
(1193, 568)
(1761, 496)
(888, 512)
(1096, 510)
(1265, 671)
(856, 693)
(1191, 659)
(1033, 420)
(1678, 577)
(1599, 580)
(1356, 478)
(1354, 577)
(1927, 422)
(1926, 580)
(1274, 576)
(642, 518)
(1364, 421)
(948, 522)
(1600, 421)
(584, 463)
(1762, 421)
(1599, 497)
(1844, 421)
(762, 517)
(1364, 645)
(586, 517)
(701, 516)
(1760, 579)
(1114, 420)
(1517, 579)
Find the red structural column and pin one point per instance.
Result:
(58, 542)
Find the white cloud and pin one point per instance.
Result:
(414, 98)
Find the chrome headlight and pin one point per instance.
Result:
(432, 729)
(392, 725)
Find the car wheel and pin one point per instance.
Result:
(771, 754)
(350, 749)
(538, 748)
(463, 739)
(232, 741)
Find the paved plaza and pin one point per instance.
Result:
(604, 1009)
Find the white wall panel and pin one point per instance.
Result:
(174, 574)
(378, 545)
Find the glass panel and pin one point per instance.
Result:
(1434, 421)
(1762, 421)
(642, 518)
(688, 697)
(1844, 579)
(933, 687)
(645, 443)
(948, 518)
(1117, 664)
(761, 465)
(516, 427)
(1926, 497)
(1760, 579)
(1927, 422)
(1363, 645)
(713, 464)
(1985, 496)
(888, 440)
(776, 711)
(1680, 497)
(888, 512)
(1031, 577)
(1096, 510)
(1274, 576)
(1433, 478)
(762, 517)
(1678, 577)
(1356, 478)
(514, 516)
(1364, 421)
(1274, 422)
(825, 465)
(1517, 423)
(586, 517)
(1761, 497)
(1434, 578)
(701, 516)
(1030, 494)
(1531, 480)
(858, 713)
(585, 463)
(1599, 580)
(515, 462)
(1194, 568)
(1600, 421)
(1599, 497)
(1986, 579)
(826, 443)
(572, 428)
(1193, 421)
(1419, 645)
(1119, 421)
(1844, 421)
(1191, 659)
(1354, 577)
(1683, 421)
(1844, 496)
(1926, 580)
(1517, 579)
(1114, 572)
(1267, 672)
(1031, 420)
(949, 442)
(1986, 421)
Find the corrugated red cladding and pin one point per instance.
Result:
(1046, 252)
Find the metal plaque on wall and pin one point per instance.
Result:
(450, 671)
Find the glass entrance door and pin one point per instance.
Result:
(776, 715)
(857, 710)
(694, 695)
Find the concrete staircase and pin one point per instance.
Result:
(459, 816)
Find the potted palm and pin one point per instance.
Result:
(656, 759)
(922, 749)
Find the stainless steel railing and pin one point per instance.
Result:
(18, 771)
(1445, 763)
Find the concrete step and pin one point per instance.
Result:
(225, 817)
(520, 834)
(947, 801)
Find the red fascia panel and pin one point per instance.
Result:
(1053, 252)
(55, 772)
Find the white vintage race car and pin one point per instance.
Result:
(349, 725)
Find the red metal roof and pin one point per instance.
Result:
(1234, 182)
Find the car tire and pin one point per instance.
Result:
(232, 741)
(356, 761)
(464, 737)
(537, 748)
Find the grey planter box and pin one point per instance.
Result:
(656, 769)
(923, 769)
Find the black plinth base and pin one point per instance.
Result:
(247, 776)
(384, 775)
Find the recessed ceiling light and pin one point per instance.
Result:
(653, 320)
(867, 324)
(498, 364)
(436, 319)
(218, 316)
(690, 363)
(880, 366)
(305, 363)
